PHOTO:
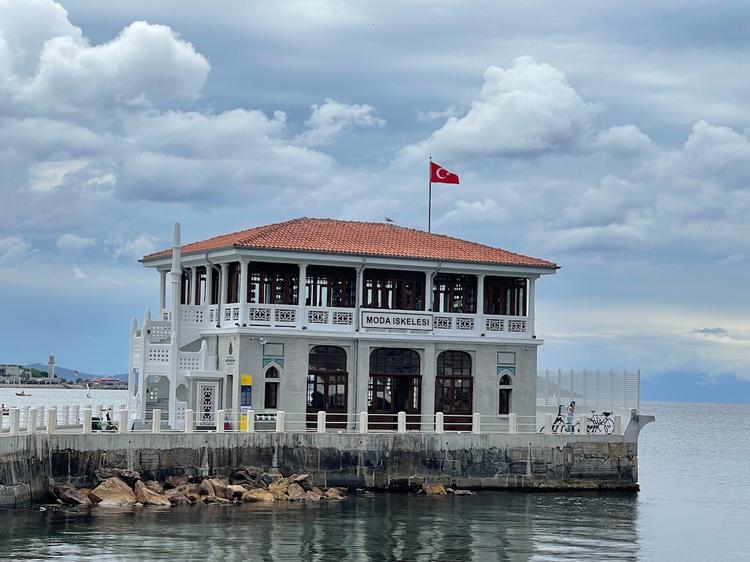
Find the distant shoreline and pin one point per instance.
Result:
(65, 386)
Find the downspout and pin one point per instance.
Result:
(176, 278)
(218, 322)
(357, 319)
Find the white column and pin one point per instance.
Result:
(223, 290)
(162, 292)
(15, 421)
(429, 287)
(480, 301)
(193, 285)
(302, 294)
(31, 421)
(174, 350)
(401, 420)
(123, 421)
(321, 422)
(476, 420)
(532, 308)
(87, 419)
(359, 295)
(209, 290)
(220, 417)
(439, 423)
(189, 421)
(363, 422)
(156, 421)
(243, 292)
(51, 420)
(279, 422)
(250, 427)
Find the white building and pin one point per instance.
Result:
(344, 317)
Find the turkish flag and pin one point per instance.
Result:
(438, 174)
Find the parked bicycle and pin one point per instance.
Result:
(600, 423)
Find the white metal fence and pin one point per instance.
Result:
(109, 419)
(591, 389)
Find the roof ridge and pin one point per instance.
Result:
(266, 229)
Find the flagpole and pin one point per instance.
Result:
(429, 203)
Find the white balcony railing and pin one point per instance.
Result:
(342, 320)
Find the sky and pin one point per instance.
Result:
(612, 138)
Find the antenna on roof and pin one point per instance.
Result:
(388, 219)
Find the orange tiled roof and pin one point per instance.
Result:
(360, 238)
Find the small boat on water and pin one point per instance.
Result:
(23, 393)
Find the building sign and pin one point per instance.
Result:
(396, 321)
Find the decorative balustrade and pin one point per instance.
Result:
(341, 320)
(85, 419)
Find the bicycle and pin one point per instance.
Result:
(600, 423)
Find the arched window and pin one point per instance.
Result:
(395, 384)
(327, 381)
(505, 392)
(271, 397)
(454, 389)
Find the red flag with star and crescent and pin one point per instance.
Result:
(438, 174)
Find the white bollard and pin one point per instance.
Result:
(51, 420)
(220, 416)
(402, 422)
(123, 421)
(156, 421)
(87, 419)
(76, 414)
(512, 423)
(189, 421)
(31, 421)
(582, 424)
(439, 422)
(321, 422)
(25, 417)
(618, 425)
(548, 424)
(363, 422)
(250, 417)
(65, 415)
(279, 422)
(476, 422)
(15, 421)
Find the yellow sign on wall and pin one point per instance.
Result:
(246, 380)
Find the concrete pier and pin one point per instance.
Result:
(30, 462)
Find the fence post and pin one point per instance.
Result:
(512, 423)
(220, 416)
(123, 421)
(548, 424)
(250, 416)
(401, 422)
(65, 415)
(156, 421)
(321, 422)
(15, 421)
(76, 414)
(87, 419)
(476, 422)
(363, 422)
(582, 422)
(439, 422)
(51, 420)
(189, 421)
(618, 425)
(31, 421)
(279, 422)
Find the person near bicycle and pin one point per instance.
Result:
(571, 413)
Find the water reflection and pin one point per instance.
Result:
(489, 526)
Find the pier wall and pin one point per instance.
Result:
(28, 463)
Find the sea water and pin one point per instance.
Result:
(694, 504)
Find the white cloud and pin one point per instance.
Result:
(72, 243)
(79, 274)
(333, 118)
(12, 249)
(145, 66)
(49, 175)
(136, 248)
(626, 140)
(527, 109)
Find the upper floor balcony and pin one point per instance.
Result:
(319, 298)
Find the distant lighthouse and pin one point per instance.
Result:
(51, 366)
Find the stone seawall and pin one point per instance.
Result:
(28, 463)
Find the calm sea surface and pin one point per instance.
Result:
(694, 504)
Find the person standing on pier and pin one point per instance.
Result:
(571, 413)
